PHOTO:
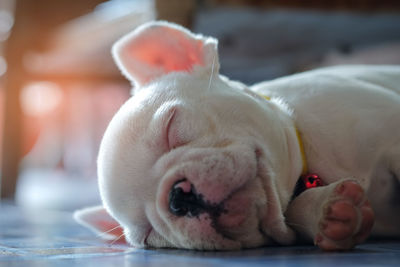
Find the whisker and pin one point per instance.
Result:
(106, 232)
(212, 73)
(116, 239)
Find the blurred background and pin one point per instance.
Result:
(59, 87)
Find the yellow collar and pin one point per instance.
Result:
(301, 146)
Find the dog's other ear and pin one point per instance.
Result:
(99, 221)
(157, 48)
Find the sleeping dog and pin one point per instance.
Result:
(196, 161)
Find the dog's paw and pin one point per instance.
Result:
(347, 218)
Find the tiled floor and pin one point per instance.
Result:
(32, 238)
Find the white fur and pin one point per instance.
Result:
(234, 146)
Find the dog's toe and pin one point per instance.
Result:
(367, 222)
(340, 220)
(347, 218)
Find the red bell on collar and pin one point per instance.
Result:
(311, 180)
(307, 181)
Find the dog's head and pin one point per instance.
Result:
(192, 160)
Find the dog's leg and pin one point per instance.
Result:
(336, 217)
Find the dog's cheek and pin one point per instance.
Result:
(237, 210)
(244, 203)
(242, 218)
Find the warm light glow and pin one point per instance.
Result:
(6, 23)
(3, 66)
(40, 97)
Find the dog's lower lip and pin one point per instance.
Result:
(145, 243)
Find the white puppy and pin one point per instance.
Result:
(196, 161)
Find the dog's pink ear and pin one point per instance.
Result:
(99, 221)
(157, 48)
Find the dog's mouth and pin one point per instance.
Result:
(184, 200)
(229, 217)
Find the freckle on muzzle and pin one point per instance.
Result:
(185, 201)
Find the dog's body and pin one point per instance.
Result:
(194, 160)
(350, 125)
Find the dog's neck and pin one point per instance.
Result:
(306, 180)
(300, 143)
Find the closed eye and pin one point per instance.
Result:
(170, 130)
(177, 134)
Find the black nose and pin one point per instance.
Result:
(183, 203)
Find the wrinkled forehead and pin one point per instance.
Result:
(197, 97)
